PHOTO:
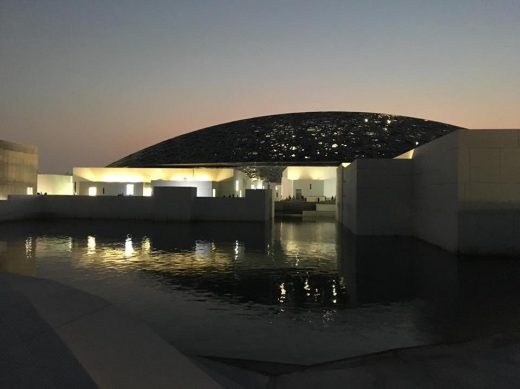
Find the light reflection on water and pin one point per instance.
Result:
(294, 266)
(273, 292)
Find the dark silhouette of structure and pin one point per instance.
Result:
(295, 138)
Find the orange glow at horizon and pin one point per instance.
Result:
(129, 75)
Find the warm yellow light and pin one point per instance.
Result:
(30, 190)
(120, 178)
(147, 191)
(92, 191)
(214, 192)
(28, 247)
(146, 175)
(202, 177)
(407, 155)
(345, 164)
(236, 185)
(311, 172)
(283, 293)
(91, 245)
(129, 247)
(129, 189)
(146, 245)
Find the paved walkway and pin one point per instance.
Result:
(490, 363)
(53, 336)
(31, 354)
(487, 363)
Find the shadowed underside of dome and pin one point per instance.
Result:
(307, 137)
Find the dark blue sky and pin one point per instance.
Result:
(91, 81)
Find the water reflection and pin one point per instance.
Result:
(289, 267)
(242, 263)
(91, 245)
(390, 269)
(129, 248)
(18, 256)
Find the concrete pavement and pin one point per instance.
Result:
(58, 337)
(53, 336)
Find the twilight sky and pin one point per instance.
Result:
(91, 81)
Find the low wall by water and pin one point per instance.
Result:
(322, 210)
(460, 192)
(292, 207)
(167, 204)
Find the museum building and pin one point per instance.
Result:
(294, 154)
(388, 175)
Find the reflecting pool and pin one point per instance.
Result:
(292, 292)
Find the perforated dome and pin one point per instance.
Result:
(324, 137)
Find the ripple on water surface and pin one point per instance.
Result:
(290, 292)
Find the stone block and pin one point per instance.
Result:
(484, 164)
(489, 138)
(510, 165)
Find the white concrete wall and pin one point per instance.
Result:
(347, 196)
(309, 188)
(276, 189)
(18, 168)
(286, 186)
(167, 203)
(489, 191)
(377, 197)
(322, 210)
(244, 183)
(313, 181)
(114, 180)
(108, 188)
(228, 187)
(204, 188)
(460, 192)
(416, 196)
(55, 184)
(19, 207)
(330, 187)
(435, 191)
(339, 193)
(310, 172)
(173, 203)
(467, 192)
(255, 206)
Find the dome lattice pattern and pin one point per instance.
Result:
(293, 138)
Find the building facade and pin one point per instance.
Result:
(18, 169)
(460, 192)
(110, 181)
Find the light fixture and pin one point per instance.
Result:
(129, 189)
